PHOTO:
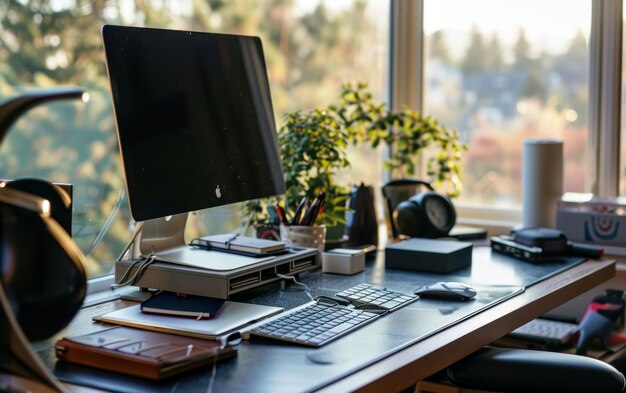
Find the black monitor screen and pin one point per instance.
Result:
(194, 119)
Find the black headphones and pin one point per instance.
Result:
(41, 267)
(426, 214)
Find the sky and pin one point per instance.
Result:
(548, 23)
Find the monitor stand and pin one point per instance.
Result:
(161, 234)
(154, 236)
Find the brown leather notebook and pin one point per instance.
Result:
(141, 353)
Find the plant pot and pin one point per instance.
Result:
(304, 235)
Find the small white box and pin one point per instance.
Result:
(343, 261)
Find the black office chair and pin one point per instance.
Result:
(42, 275)
(517, 370)
(524, 370)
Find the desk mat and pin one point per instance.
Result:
(268, 366)
(272, 366)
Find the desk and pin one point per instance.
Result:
(404, 367)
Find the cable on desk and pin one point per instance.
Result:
(306, 288)
(126, 273)
(138, 230)
(107, 223)
(213, 372)
(142, 267)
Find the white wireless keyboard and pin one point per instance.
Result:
(546, 330)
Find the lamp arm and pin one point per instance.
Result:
(13, 108)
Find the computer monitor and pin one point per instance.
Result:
(194, 119)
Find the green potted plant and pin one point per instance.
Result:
(313, 149)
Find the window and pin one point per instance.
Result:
(311, 48)
(506, 75)
(531, 80)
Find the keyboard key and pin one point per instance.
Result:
(341, 328)
(368, 294)
(391, 304)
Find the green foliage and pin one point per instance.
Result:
(47, 43)
(313, 150)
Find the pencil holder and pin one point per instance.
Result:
(304, 236)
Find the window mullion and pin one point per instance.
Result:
(604, 97)
(406, 60)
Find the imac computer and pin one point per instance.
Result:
(195, 124)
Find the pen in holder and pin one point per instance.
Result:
(304, 235)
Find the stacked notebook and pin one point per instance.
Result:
(141, 353)
(231, 317)
(164, 336)
(240, 244)
(170, 303)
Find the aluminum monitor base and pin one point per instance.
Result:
(219, 283)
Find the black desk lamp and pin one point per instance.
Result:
(42, 276)
(12, 109)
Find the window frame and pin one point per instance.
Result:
(406, 76)
(605, 82)
(605, 46)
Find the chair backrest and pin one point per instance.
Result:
(41, 268)
(525, 370)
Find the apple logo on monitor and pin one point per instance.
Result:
(218, 192)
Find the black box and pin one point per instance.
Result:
(431, 255)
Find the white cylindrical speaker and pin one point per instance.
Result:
(542, 181)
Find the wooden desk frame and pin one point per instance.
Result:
(412, 364)
(406, 367)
